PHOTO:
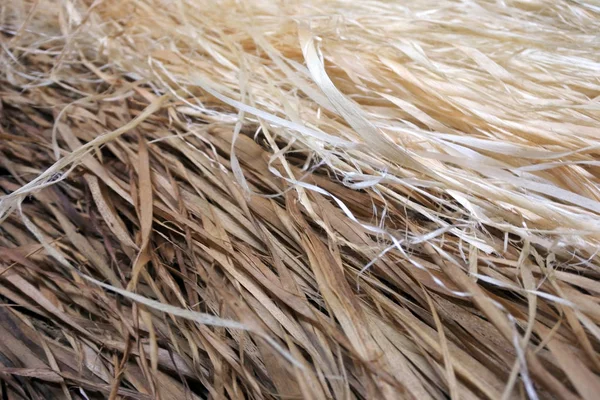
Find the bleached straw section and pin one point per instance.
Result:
(489, 105)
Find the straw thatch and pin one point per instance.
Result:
(299, 199)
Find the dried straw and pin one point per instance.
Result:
(259, 199)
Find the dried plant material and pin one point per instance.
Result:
(252, 199)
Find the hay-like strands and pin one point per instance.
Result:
(376, 200)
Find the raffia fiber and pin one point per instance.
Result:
(299, 199)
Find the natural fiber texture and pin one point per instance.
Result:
(300, 199)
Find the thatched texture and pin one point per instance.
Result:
(277, 200)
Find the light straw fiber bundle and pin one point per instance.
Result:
(300, 199)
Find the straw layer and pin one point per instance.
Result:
(300, 200)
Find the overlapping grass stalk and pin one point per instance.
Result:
(300, 199)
